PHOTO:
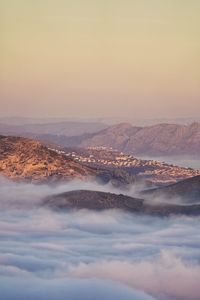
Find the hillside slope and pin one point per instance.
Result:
(187, 190)
(29, 160)
(26, 159)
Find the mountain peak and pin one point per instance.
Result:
(156, 140)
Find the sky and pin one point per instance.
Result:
(100, 58)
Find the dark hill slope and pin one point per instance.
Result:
(188, 190)
(95, 200)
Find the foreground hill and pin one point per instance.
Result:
(29, 160)
(187, 190)
(25, 159)
(161, 139)
(95, 200)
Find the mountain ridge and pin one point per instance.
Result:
(160, 139)
(156, 140)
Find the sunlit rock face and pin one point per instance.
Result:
(25, 159)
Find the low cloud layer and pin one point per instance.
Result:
(93, 255)
(19, 195)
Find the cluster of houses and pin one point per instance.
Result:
(107, 157)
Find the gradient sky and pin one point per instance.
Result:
(100, 58)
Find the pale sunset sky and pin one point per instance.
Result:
(100, 58)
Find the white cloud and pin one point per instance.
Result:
(88, 254)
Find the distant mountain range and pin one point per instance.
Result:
(156, 140)
(161, 139)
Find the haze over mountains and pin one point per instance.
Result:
(99, 150)
(54, 128)
(156, 140)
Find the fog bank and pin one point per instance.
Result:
(93, 255)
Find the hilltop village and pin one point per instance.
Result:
(152, 170)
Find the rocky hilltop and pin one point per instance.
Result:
(92, 200)
(95, 200)
(30, 160)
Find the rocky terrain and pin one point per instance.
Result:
(29, 160)
(85, 199)
(187, 191)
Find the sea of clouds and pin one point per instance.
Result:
(83, 255)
